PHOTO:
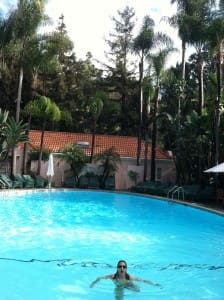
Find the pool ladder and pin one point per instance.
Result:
(176, 190)
(3, 184)
(5, 187)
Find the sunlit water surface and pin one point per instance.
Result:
(55, 243)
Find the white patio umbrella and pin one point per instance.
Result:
(50, 168)
(216, 169)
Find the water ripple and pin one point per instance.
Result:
(90, 264)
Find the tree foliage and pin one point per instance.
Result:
(108, 161)
(11, 133)
(46, 110)
(76, 158)
(133, 80)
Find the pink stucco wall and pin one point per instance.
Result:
(122, 180)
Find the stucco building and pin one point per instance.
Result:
(124, 145)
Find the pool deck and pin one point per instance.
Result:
(208, 206)
(212, 207)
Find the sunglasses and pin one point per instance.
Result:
(121, 266)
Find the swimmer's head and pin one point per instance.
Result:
(122, 265)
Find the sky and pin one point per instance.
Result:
(89, 22)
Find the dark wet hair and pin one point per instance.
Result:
(116, 275)
(123, 262)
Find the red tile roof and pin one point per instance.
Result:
(126, 146)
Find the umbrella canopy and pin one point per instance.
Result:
(50, 167)
(216, 169)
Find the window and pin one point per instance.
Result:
(83, 144)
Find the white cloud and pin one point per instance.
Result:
(88, 22)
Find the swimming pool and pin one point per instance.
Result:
(55, 243)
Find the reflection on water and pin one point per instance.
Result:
(62, 241)
(119, 293)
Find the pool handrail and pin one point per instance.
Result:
(171, 190)
(176, 189)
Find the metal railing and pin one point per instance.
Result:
(171, 190)
(176, 190)
(3, 184)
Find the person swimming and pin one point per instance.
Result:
(122, 279)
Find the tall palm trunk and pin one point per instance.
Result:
(180, 98)
(140, 111)
(201, 106)
(25, 150)
(146, 155)
(93, 141)
(18, 103)
(32, 95)
(183, 59)
(41, 148)
(146, 140)
(33, 85)
(201, 84)
(154, 134)
(19, 94)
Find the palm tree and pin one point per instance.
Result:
(197, 21)
(44, 54)
(216, 33)
(96, 107)
(46, 110)
(192, 21)
(6, 34)
(198, 37)
(142, 45)
(26, 19)
(11, 133)
(3, 120)
(158, 64)
(15, 132)
(39, 58)
(146, 41)
(108, 160)
(191, 27)
(76, 158)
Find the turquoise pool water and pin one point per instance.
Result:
(55, 243)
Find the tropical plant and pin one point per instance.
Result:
(26, 19)
(133, 175)
(76, 158)
(11, 133)
(46, 110)
(108, 161)
(14, 133)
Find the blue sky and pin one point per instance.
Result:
(5, 5)
(89, 21)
